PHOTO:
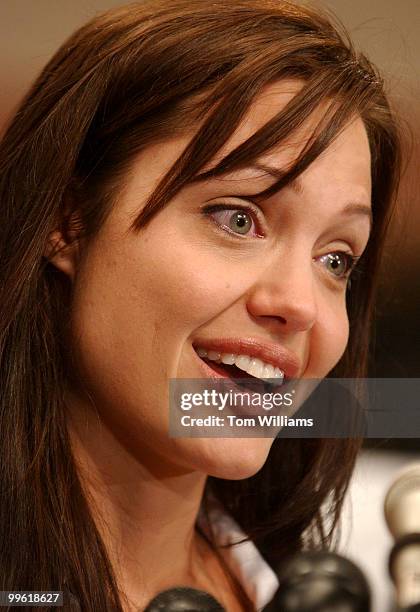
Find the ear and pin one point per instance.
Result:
(63, 247)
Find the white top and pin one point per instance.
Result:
(244, 560)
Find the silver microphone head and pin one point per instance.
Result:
(402, 514)
(402, 503)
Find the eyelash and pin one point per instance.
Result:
(351, 260)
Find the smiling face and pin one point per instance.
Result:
(213, 264)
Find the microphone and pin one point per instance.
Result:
(313, 581)
(320, 581)
(184, 599)
(402, 515)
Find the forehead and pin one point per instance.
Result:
(344, 165)
(351, 140)
(272, 99)
(346, 160)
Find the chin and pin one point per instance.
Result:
(235, 458)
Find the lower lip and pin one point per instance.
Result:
(217, 373)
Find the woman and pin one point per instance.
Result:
(182, 177)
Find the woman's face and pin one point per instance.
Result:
(266, 273)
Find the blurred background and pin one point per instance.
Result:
(388, 31)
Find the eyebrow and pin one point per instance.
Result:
(352, 208)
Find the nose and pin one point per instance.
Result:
(286, 293)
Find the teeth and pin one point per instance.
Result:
(214, 356)
(228, 358)
(278, 373)
(242, 362)
(268, 371)
(253, 366)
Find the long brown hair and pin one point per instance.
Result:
(134, 76)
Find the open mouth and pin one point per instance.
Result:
(242, 379)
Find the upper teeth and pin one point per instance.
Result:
(251, 365)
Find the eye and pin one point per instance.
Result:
(339, 263)
(233, 219)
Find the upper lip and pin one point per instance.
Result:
(269, 352)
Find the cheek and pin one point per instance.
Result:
(329, 338)
(185, 284)
(138, 300)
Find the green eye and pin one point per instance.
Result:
(240, 222)
(339, 264)
(233, 220)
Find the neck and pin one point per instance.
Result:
(146, 517)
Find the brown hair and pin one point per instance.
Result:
(135, 76)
